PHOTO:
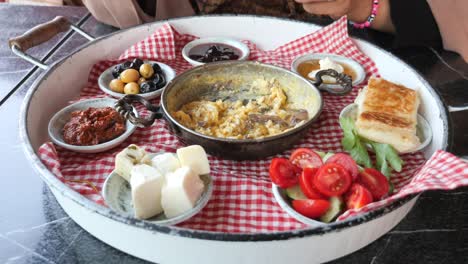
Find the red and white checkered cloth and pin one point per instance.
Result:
(242, 200)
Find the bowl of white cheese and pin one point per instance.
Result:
(164, 188)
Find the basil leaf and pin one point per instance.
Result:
(385, 154)
(352, 143)
(392, 157)
(392, 188)
(348, 142)
(360, 155)
(385, 169)
(349, 139)
(347, 124)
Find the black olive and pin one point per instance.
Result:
(159, 81)
(116, 71)
(212, 50)
(126, 65)
(156, 68)
(136, 63)
(146, 87)
(215, 53)
(155, 78)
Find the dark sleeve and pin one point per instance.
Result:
(414, 23)
(148, 6)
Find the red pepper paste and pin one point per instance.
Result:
(93, 126)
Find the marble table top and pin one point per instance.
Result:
(35, 229)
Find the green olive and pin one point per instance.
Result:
(146, 70)
(132, 88)
(117, 85)
(141, 80)
(129, 75)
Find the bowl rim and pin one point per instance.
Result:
(421, 121)
(245, 141)
(229, 41)
(55, 183)
(199, 204)
(130, 128)
(283, 203)
(168, 71)
(357, 67)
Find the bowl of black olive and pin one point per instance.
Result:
(136, 76)
(206, 50)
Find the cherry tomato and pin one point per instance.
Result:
(306, 158)
(307, 186)
(311, 208)
(332, 180)
(283, 173)
(346, 161)
(358, 196)
(375, 182)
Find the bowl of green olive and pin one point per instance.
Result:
(145, 78)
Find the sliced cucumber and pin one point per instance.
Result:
(336, 207)
(327, 156)
(321, 153)
(295, 193)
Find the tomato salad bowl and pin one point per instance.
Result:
(164, 244)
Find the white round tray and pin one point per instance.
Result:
(164, 244)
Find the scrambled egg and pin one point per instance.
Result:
(242, 119)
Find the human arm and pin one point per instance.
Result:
(412, 22)
(356, 10)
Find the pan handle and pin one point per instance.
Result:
(344, 82)
(40, 34)
(452, 109)
(124, 106)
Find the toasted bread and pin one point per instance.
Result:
(387, 113)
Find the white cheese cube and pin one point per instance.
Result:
(194, 157)
(123, 165)
(181, 191)
(166, 163)
(129, 157)
(146, 183)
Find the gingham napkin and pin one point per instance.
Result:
(242, 199)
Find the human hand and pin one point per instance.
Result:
(356, 10)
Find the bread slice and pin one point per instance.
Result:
(387, 113)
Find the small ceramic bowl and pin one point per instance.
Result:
(117, 194)
(283, 201)
(355, 66)
(58, 121)
(423, 129)
(106, 77)
(199, 46)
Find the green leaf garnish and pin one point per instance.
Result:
(349, 138)
(386, 156)
(352, 143)
(392, 188)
